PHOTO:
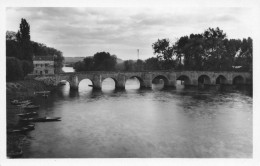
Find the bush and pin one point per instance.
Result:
(14, 69)
(27, 67)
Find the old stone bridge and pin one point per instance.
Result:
(188, 78)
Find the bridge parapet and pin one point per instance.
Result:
(146, 78)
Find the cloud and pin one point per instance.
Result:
(83, 31)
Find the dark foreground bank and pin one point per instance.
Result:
(20, 90)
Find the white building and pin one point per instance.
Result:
(43, 65)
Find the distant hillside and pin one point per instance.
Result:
(72, 59)
(118, 60)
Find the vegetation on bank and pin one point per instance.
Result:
(207, 51)
(24, 89)
(101, 61)
(21, 90)
(20, 51)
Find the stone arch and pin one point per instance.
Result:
(63, 78)
(238, 80)
(161, 77)
(84, 78)
(204, 79)
(114, 79)
(141, 81)
(221, 80)
(61, 82)
(94, 78)
(74, 82)
(186, 80)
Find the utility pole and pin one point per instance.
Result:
(137, 54)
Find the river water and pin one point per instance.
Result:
(142, 123)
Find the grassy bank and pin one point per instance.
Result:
(22, 90)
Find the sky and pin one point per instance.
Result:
(81, 32)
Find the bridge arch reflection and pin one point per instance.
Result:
(204, 79)
(146, 78)
(237, 80)
(85, 85)
(134, 82)
(221, 80)
(185, 80)
(161, 79)
(109, 83)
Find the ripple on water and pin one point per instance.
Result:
(144, 123)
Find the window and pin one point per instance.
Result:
(46, 71)
(36, 71)
(46, 64)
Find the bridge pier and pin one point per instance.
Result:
(97, 83)
(190, 78)
(74, 82)
(121, 80)
(147, 81)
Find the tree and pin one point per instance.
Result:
(244, 56)
(190, 50)
(103, 61)
(210, 50)
(40, 49)
(139, 65)
(10, 35)
(164, 52)
(232, 47)
(152, 64)
(79, 66)
(27, 67)
(12, 49)
(214, 48)
(163, 49)
(14, 69)
(58, 61)
(179, 50)
(88, 63)
(23, 34)
(24, 41)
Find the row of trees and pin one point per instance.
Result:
(209, 51)
(101, 61)
(20, 51)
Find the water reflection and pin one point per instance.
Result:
(108, 85)
(142, 123)
(68, 69)
(132, 84)
(85, 87)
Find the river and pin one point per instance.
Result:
(142, 123)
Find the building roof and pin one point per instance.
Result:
(43, 58)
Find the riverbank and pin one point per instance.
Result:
(22, 90)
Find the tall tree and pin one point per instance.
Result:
(245, 55)
(214, 48)
(162, 49)
(24, 40)
(164, 52)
